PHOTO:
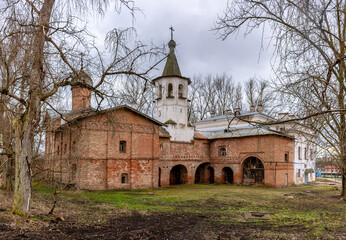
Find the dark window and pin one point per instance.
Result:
(299, 153)
(286, 157)
(124, 178)
(311, 154)
(58, 150)
(305, 154)
(222, 152)
(65, 148)
(170, 90)
(160, 91)
(180, 90)
(122, 146)
(298, 172)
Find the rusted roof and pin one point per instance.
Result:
(92, 112)
(198, 135)
(163, 133)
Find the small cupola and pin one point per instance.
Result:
(81, 93)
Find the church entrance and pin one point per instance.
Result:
(178, 175)
(227, 175)
(204, 174)
(253, 171)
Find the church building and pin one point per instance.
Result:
(121, 147)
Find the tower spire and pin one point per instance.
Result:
(171, 67)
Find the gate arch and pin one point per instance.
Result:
(253, 170)
(227, 175)
(204, 173)
(178, 175)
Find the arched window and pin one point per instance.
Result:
(160, 91)
(124, 178)
(222, 151)
(180, 90)
(170, 90)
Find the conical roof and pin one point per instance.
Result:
(83, 78)
(171, 67)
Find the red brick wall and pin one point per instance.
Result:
(269, 149)
(93, 148)
(99, 162)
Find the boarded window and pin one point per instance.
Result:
(222, 152)
(122, 146)
(124, 178)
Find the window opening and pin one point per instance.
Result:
(122, 146)
(222, 152)
(124, 178)
(180, 90)
(160, 91)
(170, 90)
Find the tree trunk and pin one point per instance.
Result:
(22, 189)
(26, 124)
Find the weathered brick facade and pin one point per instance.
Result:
(86, 152)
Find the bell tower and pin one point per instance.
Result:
(171, 98)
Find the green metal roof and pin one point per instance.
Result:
(171, 67)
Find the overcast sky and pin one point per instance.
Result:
(199, 51)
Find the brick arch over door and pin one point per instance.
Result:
(178, 175)
(227, 175)
(204, 173)
(253, 170)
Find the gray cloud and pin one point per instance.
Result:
(199, 50)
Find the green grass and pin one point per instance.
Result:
(319, 211)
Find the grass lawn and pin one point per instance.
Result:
(206, 211)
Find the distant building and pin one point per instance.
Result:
(123, 148)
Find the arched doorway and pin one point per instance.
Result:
(227, 175)
(253, 170)
(178, 175)
(159, 184)
(204, 174)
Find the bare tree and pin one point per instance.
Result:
(310, 46)
(258, 93)
(53, 40)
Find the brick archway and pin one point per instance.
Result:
(178, 175)
(227, 175)
(204, 173)
(253, 170)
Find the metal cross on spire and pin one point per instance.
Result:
(171, 28)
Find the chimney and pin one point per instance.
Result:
(236, 112)
(252, 108)
(260, 108)
(212, 114)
